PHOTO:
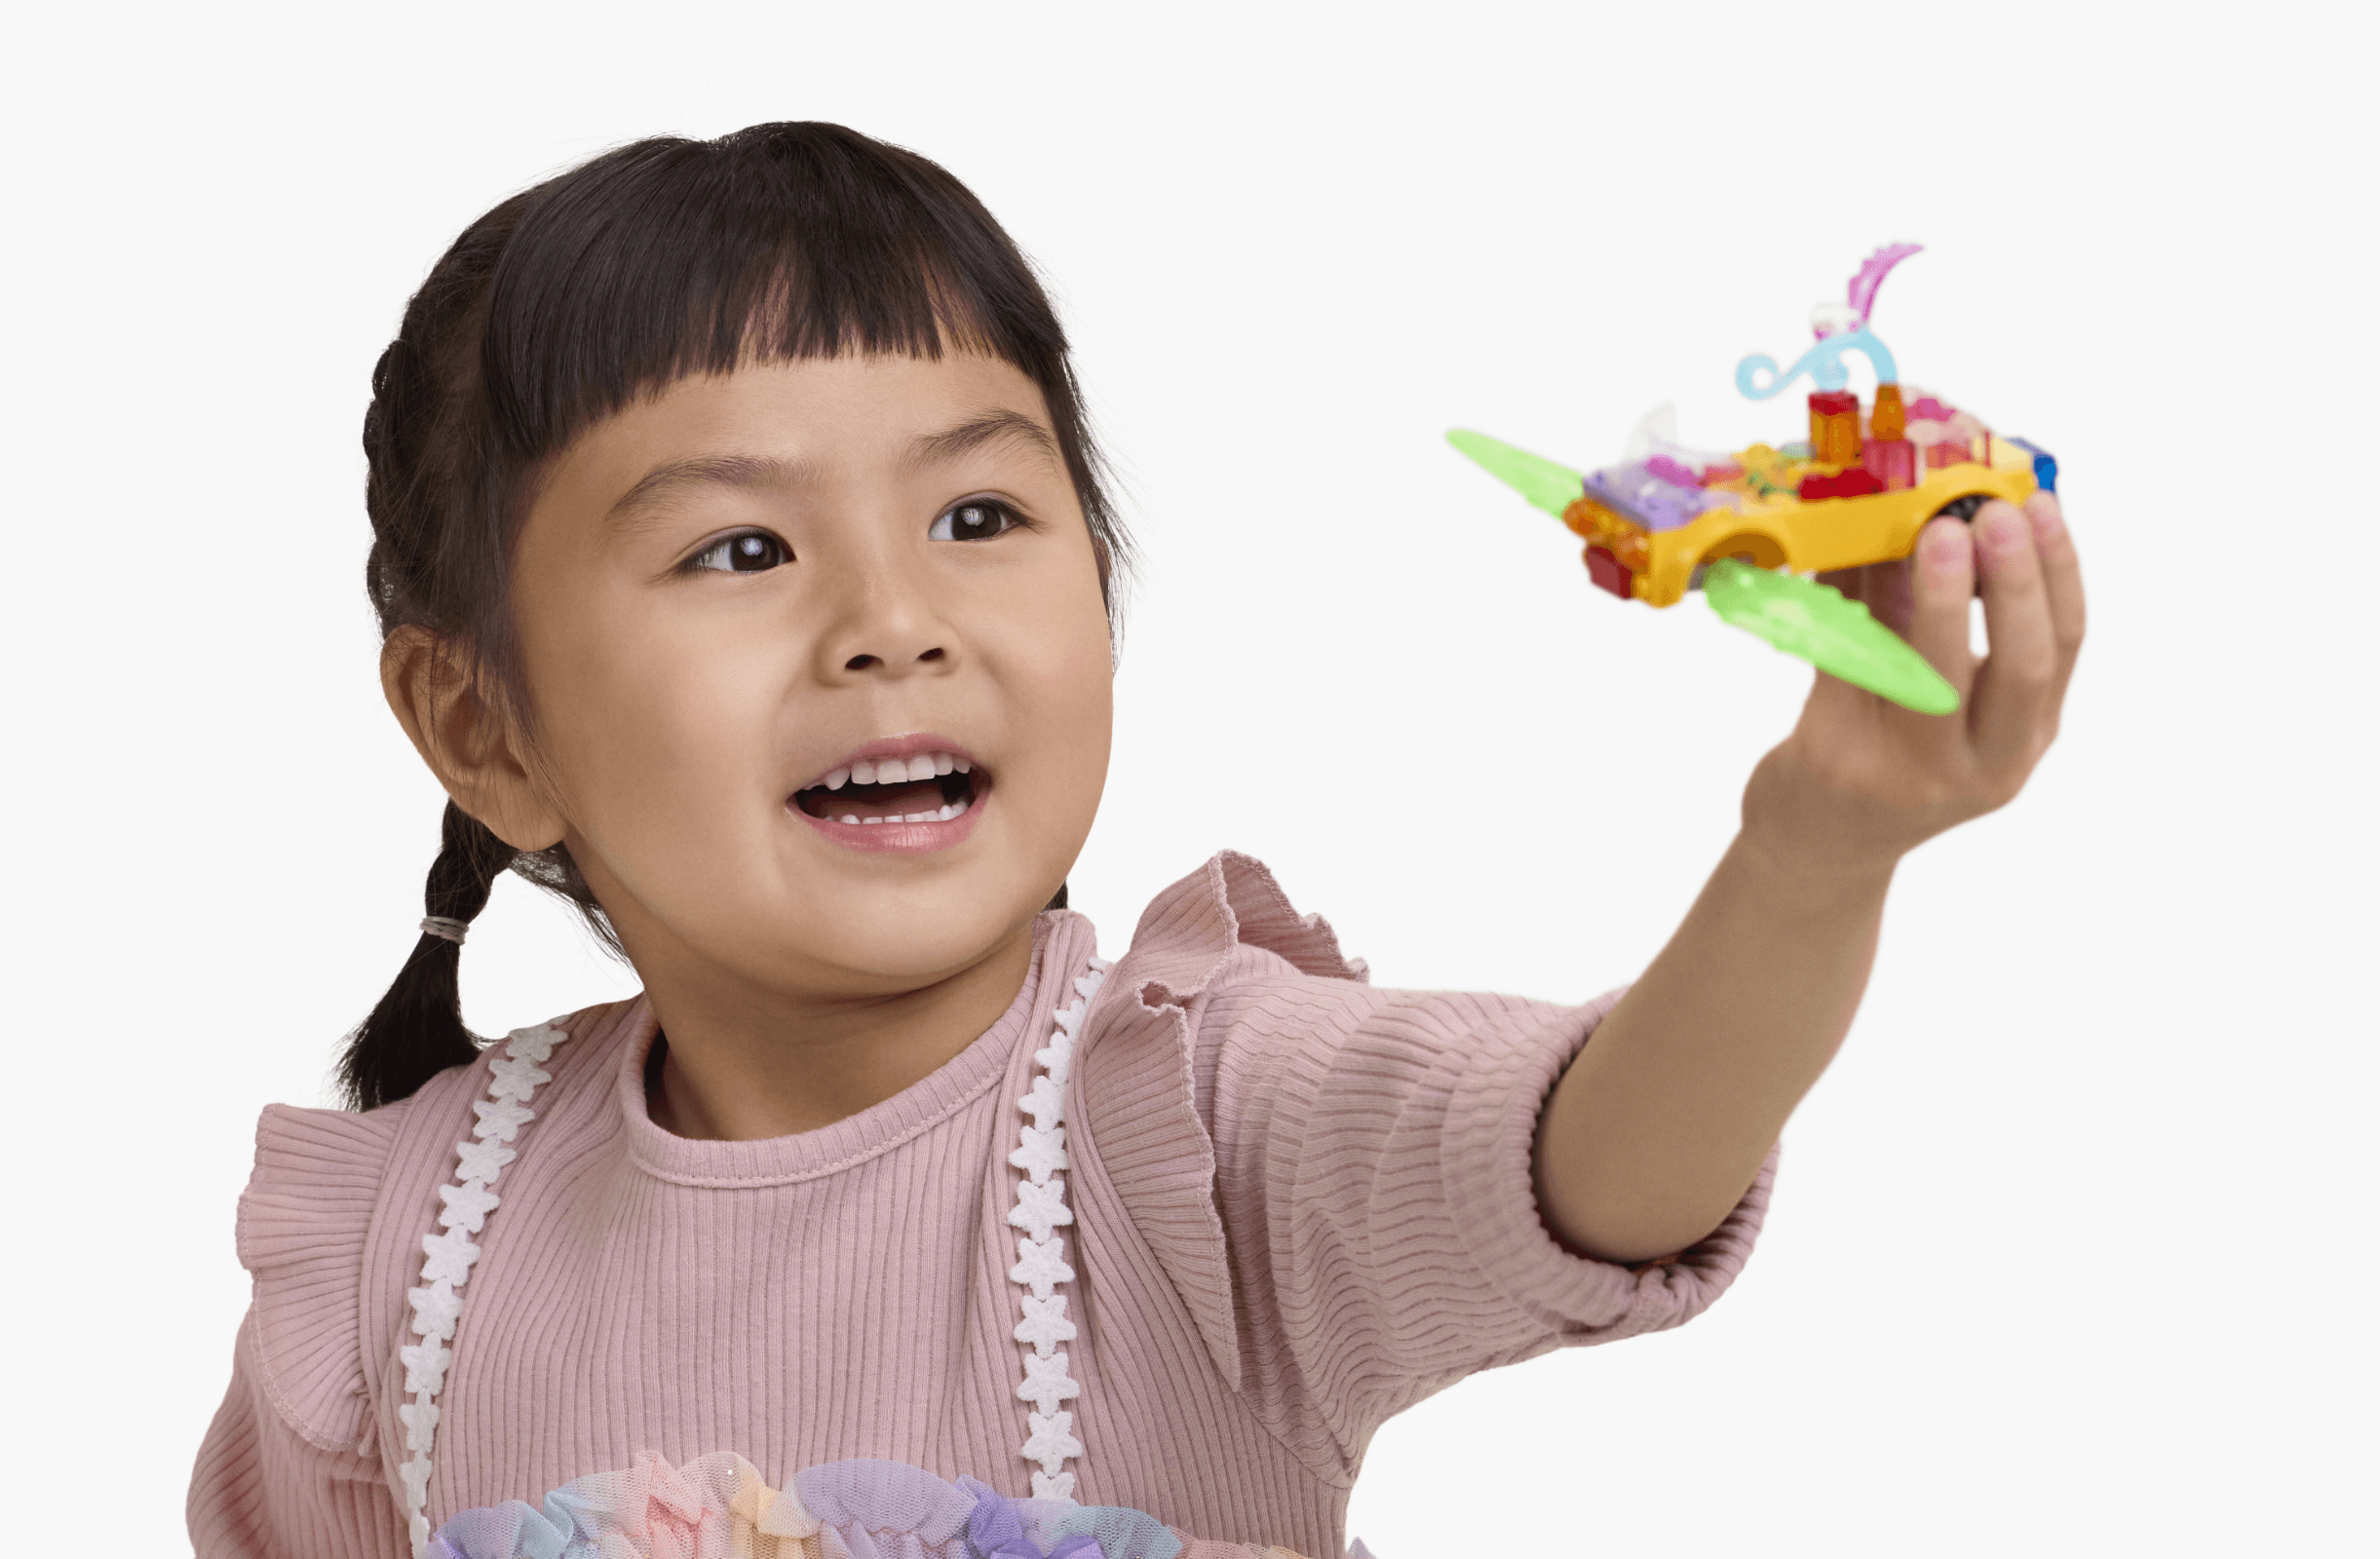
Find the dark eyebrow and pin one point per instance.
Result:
(707, 471)
(951, 443)
(663, 482)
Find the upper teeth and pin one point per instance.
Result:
(895, 771)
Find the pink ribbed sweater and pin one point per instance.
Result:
(1301, 1204)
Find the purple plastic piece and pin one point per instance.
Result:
(1670, 470)
(1639, 493)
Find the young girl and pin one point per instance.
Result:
(745, 577)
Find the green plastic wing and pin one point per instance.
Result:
(1552, 487)
(1804, 618)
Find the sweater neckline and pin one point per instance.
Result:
(855, 1139)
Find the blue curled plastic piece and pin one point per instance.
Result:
(1823, 363)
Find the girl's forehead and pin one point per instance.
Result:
(856, 401)
(821, 418)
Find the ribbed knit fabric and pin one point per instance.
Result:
(1301, 1204)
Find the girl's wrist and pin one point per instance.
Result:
(1797, 863)
(1818, 834)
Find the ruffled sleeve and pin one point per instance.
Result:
(288, 1466)
(1337, 1180)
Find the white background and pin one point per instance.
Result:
(2071, 1250)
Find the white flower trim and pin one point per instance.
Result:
(1041, 1255)
(446, 1258)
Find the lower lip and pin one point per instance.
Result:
(899, 838)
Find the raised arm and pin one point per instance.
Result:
(1660, 1126)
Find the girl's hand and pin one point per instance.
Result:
(1861, 780)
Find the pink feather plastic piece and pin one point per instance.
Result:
(1863, 295)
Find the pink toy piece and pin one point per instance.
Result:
(1891, 461)
(1927, 409)
(1670, 470)
(1863, 292)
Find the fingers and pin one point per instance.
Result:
(1942, 584)
(2061, 578)
(1891, 596)
(2015, 697)
(1852, 582)
(1882, 588)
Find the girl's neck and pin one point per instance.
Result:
(731, 1072)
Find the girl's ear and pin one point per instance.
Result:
(471, 746)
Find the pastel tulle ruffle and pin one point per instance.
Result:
(717, 1507)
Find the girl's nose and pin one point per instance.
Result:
(865, 662)
(889, 626)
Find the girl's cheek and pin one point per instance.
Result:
(1078, 704)
(650, 731)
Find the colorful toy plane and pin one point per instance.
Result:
(1746, 528)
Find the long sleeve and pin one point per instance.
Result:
(261, 1490)
(288, 1467)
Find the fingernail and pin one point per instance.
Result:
(1943, 549)
(2001, 532)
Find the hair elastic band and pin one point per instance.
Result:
(440, 926)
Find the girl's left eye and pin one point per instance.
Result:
(979, 519)
(746, 554)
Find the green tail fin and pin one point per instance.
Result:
(1551, 486)
(1813, 621)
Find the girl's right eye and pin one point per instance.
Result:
(746, 553)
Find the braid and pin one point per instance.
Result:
(418, 1031)
(436, 493)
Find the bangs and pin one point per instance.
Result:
(673, 257)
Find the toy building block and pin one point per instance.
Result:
(1746, 528)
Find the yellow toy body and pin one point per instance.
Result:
(1772, 528)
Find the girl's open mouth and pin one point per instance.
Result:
(923, 801)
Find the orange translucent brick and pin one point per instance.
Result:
(1888, 420)
(1588, 518)
(1835, 427)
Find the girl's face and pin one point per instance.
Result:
(738, 599)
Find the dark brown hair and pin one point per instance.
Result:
(659, 259)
